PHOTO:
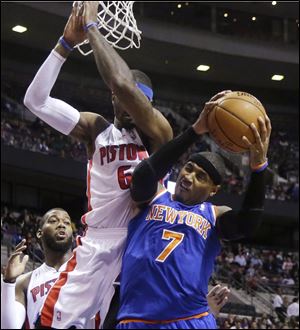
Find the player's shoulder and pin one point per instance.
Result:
(219, 210)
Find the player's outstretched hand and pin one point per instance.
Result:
(259, 149)
(16, 263)
(217, 298)
(90, 11)
(74, 33)
(201, 126)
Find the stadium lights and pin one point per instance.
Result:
(253, 18)
(277, 77)
(226, 15)
(274, 3)
(203, 67)
(19, 28)
(179, 5)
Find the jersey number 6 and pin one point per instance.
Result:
(124, 177)
(176, 240)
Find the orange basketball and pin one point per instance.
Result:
(230, 120)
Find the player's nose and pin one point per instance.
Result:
(61, 224)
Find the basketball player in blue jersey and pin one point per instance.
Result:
(174, 239)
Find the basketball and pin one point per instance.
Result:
(230, 120)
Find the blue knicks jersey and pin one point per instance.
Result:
(168, 260)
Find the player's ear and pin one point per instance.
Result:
(39, 233)
(214, 190)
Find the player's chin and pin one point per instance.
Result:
(182, 195)
(63, 245)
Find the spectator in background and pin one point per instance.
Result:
(240, 259)
(287, 264)
(9, 230)
(278, 304)
(293, 308)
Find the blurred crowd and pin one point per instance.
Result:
(37, 136)
(263, 322)
(254, 268)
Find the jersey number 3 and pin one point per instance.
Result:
(176, 239)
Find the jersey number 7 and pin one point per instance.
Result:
(176, 240)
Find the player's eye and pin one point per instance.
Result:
(189, 168)
(201, 177)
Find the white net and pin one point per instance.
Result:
(117, 24)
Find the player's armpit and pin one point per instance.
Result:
(90, 125)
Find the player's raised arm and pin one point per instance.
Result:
(119, 78)
(232, 224)
(57, 113)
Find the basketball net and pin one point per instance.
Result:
(117, 25)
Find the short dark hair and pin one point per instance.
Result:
(141, 77)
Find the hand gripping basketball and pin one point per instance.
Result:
(201, 125)
(258, 150)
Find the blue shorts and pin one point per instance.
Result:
(205, 322)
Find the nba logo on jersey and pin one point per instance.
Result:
(58, 316)
(132, 134)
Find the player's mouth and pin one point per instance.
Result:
(185, 185)
(61, 234)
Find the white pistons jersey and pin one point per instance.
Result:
(117, 153)
(41, 281)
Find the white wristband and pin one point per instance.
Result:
(56, 113)
(13, 313)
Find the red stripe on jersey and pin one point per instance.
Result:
(88, 191)
(97, 321)
(48, 308)
(89, 184)
(78, 241)
(27, 324)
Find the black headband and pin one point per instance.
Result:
(208, 167)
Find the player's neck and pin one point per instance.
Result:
(55, 258)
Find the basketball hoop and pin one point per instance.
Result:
(117, 24)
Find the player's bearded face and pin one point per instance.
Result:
(57, 233)
(193, 185)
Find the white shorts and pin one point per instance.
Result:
(86, 286)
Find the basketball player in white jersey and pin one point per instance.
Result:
(114, 150)
(23, 295)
